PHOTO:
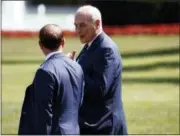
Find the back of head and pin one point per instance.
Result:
(51, 36)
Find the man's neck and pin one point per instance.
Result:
(48, 55)
(98, 33)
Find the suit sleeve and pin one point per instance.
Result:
(44, 84)
(99, 81)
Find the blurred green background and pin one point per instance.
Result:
(150, 80)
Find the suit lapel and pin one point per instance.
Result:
(93, 46)
(96, 42)
(85, 46)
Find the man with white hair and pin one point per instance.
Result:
(102, 109)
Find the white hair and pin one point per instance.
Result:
(92, 11)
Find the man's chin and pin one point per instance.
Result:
(82, 41)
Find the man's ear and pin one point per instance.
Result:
(63, 43)
(40, 45)
(98, 23)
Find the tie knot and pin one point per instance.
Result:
(85, 47)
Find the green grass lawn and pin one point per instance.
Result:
(150, 80)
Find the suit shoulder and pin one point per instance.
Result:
(49, 66)
(110, 48)
(43, 74)
(73, 64)
(109, 42)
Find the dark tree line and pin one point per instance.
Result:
(122, 12)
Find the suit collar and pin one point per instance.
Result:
(96, 41)
(93, 46)
(54, 55)
(89, 44)
(51, 54)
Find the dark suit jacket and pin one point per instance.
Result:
(102, 108)
(52, 101)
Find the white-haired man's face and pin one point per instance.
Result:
(85, 27)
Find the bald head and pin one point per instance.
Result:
(51, 36)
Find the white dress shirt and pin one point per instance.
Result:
(52, 53)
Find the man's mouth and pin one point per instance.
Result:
(81, 36)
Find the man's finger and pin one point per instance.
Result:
(73, 54)
(69, 55)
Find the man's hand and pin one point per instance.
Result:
(72, 55)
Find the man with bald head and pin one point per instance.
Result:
(102, 109)
(52, 101)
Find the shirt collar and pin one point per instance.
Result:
(94, 38)
(52, 53)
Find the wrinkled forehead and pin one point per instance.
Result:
(82, 17)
